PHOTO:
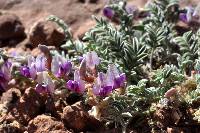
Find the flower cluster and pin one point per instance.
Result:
(103, 84)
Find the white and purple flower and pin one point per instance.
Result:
(118, 79)
(44, 83)
(92, 60)
(34, 66)
(77, 85)
(192, 14)
(60, 67)
(88, 66)
(102, 86)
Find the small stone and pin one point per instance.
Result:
(29, 106)
(10, 96)
(11, 29)
(45, 33)
(75, 117)
(43, 123)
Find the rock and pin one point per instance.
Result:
(167, 113)
(29, 106)
(11, 96)
(46, 33)
(75, 117)
(43, 123)
(13, 127)
(73, 12)
(11, 29)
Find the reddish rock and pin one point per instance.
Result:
(43, 123)
(73, 12)
(76, 118)
(167, 113)
(10, 96)
(29, 106)
(46, 33)
(11, 29)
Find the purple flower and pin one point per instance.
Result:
(25, 71)
(92, 60)
(5, 74)
(41, 88)
(64, 68)
(34, 66)
(183, 17)
(40, 63)
(192, 14)
(108, 12)
(44, 83)
(77, 85)
(102, 87)
(6, 70)
(118, 80)
(60, 66)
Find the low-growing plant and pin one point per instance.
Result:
(127, 65)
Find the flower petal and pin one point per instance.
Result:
(76, 75)
(183, 17)
(25, 71)
(190, 11)
(119, 81)
(31, 60)
(82, 69)
(40, 63)
(74, 86)
(101, 79)
(64, 69)
(96, 88)
(5, 69)
(108, 12)
(33, 72)
(49, 82)
(105, 91)
(92, 59)
(41, 88)
(55, 65)
(81, 86)
(112, 73)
